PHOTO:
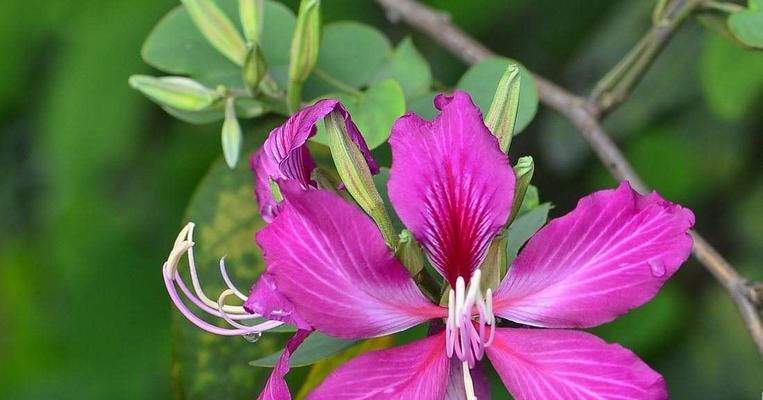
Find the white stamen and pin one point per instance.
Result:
(184, 246)
(465, 336)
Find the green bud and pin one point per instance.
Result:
(175, 91)
(524, 173)
(502, 116)
(304, 50)
(353, 170)
(409, 252)
(254, 68)
(494, 266)
(251, 14)
(231, 134)
(217, 29)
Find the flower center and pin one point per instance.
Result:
(467, 336)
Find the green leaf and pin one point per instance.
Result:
(481, 81)
(524, 227)
(747, 26)
(409, 68)
(731, 77)
(205, 365)
(350, 53)
(423, 105)
(374, 111)
(176, 46)
(315, 348)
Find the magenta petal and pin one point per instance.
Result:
(275, 387)
(564, 364)
(609, 255)
(330, 261)
(450, 184)
(418, 370)
(286, 144)
(265, 299)
(456, 389)
(285, 155)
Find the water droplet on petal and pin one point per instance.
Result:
(657, 267)
(252, 337)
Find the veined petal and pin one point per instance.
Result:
(329, 259)
(275, 387)
(285, 143)
(450, 184)
(265, 299)
(456, 389)
(285, 155)
(568, 365)
(418, 370)
(609, 255)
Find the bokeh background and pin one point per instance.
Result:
(95, 180)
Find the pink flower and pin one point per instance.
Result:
(452, 187)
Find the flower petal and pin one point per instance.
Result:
(609, 255)
(456, 389)
(265, 299)
(275, 387)
(418, 370)
(450, 184)
(285, 155)
(330, 261)
(568, 365)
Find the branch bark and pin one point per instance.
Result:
(585, 117)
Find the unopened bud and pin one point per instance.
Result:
(355, 174)
(251, 14)
(231, 134)
(409, 252)
(254, 68)
(304, 49)
(494, 266)
(502, 116)
(524, 173)
(175, 91)
(217, 29)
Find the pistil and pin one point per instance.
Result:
(467, 338)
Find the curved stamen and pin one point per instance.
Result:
(228, 282)
(184, 246)
(470, 327)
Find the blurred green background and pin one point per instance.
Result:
(95, 180)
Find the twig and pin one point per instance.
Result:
(617, 85)
(584, 115)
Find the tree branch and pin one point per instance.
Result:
(584, 116)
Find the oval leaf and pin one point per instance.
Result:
(747, 26)
(204, 365)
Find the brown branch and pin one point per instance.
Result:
(584, 116)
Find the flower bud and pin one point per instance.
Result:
(231, 134)
(494, 266)
(304, 49)
(409, 252)
(502, 116)
(356, 175)
(524, 173)
(175, 91)
(254, 68)
(217, 29)
(251, 14)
